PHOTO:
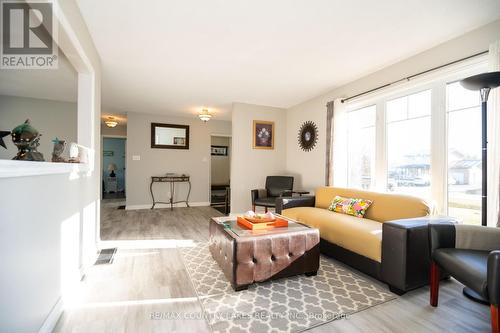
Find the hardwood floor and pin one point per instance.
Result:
(144, 282)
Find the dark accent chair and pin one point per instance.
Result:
(276, 187)
(471, 254)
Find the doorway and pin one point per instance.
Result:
(220, 171)
(113, 167)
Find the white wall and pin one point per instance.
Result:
(249, 167)
(154, 162)
(51, 119)
(311, 165)
(220, 167)
(48, 224)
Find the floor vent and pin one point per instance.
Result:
(106, 256)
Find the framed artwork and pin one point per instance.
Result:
(178, 141)
(219, 150)
(263, 134)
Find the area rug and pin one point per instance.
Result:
(291, 304)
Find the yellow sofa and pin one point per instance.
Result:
(397, 221)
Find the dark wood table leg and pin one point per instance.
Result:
(152, 195)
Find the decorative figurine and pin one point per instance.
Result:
(59, 146)
(2, 134)
(74, 153)
(27, 138)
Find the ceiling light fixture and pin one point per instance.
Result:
(205, 115)
(111, 122)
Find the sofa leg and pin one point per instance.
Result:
(253, 208)
(265, 209)
(434, 283)
(495, 319)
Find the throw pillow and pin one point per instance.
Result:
(350, 206)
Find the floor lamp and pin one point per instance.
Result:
(484, 83)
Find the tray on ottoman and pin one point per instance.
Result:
(247, 256)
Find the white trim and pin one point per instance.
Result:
(9, 168)
(158, 206)
(51, 321)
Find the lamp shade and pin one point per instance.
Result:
(485, 80)
(111, 167)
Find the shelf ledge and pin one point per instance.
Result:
(11, 169)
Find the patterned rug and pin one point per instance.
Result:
(291, 304)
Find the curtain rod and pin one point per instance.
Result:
(408, 78)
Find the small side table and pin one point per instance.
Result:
(300, 192)
(111, 185)
(171, 180)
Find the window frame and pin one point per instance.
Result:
(436, 82)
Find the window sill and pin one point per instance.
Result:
(10, 169)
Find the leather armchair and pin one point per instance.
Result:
(471, 254)
(276, 187)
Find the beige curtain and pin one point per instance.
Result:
(329, 144)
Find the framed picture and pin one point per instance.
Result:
(178, 141)
(219, 150)
(263, 134)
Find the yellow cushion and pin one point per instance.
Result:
(362, 236)
(385, 207)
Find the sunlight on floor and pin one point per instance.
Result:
(148, 244)
(135, 302)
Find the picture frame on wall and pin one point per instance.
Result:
(263, 134)
(219, 150)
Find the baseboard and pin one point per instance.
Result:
(51, 321)
(157, 206)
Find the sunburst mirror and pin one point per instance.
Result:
(308, 136)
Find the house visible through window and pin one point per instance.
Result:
(409, 145)
(464, 153)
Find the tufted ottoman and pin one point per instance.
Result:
(247, 256)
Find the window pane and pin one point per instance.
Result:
(409, 147)
(464, 156)
(419, 104)
(460, 98)
(361, 147)
(397, 109)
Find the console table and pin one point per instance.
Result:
(171, 180)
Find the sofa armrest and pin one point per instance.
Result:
(494, 277)
(290, 202)
(258, 193)
(405, 252)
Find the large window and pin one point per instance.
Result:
(408, 144)
(464, 153)
(361, 147)
(422, 138)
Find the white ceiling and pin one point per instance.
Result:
(179, 56)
